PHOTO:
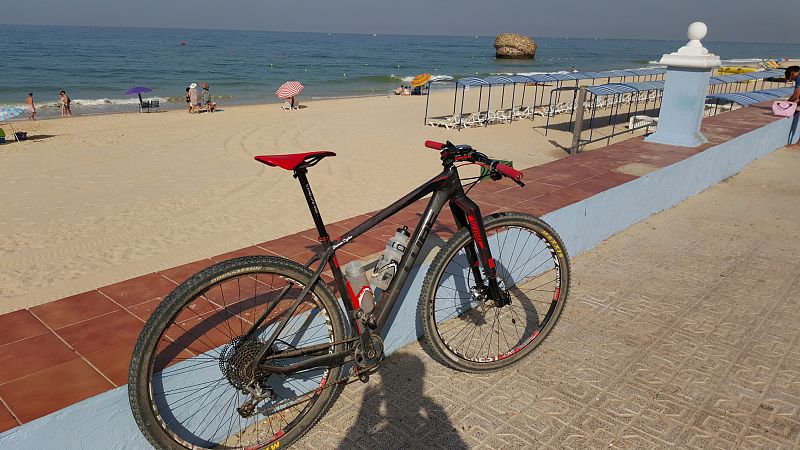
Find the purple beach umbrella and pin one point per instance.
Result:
(138, 90)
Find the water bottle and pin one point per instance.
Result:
(358, 287)
(387, 266)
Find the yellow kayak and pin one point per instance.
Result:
(733, 70)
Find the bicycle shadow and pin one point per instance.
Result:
(396, 413)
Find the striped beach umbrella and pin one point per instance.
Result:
(421, 79)
(289, 89)
(10, 113)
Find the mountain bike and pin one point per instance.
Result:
(252, 352)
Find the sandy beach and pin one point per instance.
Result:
(93, 200)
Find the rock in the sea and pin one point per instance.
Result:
(510, 45)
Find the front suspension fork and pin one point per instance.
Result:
(467, 214)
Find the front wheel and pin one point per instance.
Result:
(193, 382)
(469, 331)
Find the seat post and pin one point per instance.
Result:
(300, 174)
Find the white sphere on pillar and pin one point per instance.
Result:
(697, 31)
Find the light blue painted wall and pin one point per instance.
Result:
(105, 421)
(682, 108)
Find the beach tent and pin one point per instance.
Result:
(537, 79)
(465, 83)
(619, 89)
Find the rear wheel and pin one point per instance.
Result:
(469, 331)
(191, 384)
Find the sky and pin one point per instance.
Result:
(727, 20)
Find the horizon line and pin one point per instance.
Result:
(382, 34)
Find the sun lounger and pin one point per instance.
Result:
(523, 112)
(474, 120)
(642, 122)
(498, 116)
(447, 122)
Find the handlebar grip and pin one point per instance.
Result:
(510, 172)
(434, 145)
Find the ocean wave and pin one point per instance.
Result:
(742, 61)
(102, 101)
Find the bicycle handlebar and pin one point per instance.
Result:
(434, 145)
(496, 166)
(510, 172)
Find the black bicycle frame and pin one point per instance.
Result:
(444, 187)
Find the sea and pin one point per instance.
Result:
(96, 65)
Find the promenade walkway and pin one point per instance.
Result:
(680, 331)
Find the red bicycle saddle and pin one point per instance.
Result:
(291, 162)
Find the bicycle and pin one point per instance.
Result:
(253, 351)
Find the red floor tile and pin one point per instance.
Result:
(22, 358)
(516, 194)
(289, 246)
(101, 332)
(348, 224)
(383, 232)
(533, 207)
(410, 221)
(247, 251)
(114, 361)
(19, 325)
(563, 197)
(408, 214)
(363, 246)
(609, 180)
(567, 177)
(139, 289)
(52, 389)
(182, 273)
(7, 421)
(71, 310)
(489, 206)
(344, 257)
(144, 310)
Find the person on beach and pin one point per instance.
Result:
(194, 99)
(209, 105)
(65, 104)
(792, 75)
(188, 101)
(31, 106)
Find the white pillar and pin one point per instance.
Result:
(685, 90)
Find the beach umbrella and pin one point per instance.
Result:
(10, 113)
(421, 79)
(138, 90)
(289, 89)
